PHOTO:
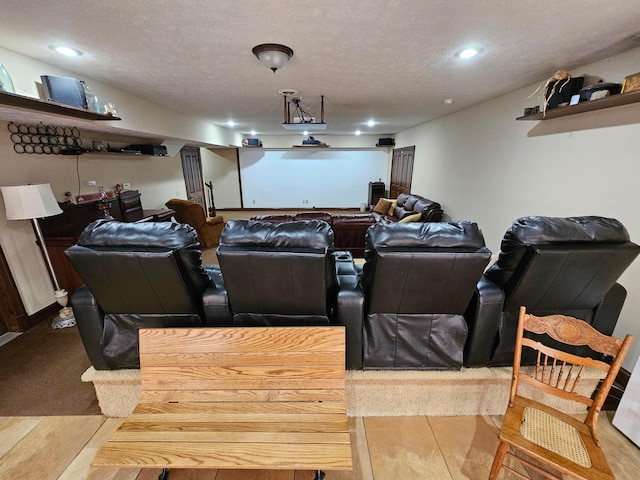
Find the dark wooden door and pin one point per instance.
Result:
(401, 171)
(12, 313)
(192, 171)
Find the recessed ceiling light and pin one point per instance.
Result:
(66, 51)
(358, 132)
(371, 123)
(468, 53)
(231, 123)
(253, 132)
(448, 101)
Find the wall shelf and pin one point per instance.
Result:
(589, 106)
(35, 104)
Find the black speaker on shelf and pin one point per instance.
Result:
(65, 90)
(385, 142)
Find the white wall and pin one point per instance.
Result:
(309, 177)
(484, 166)
(220, 166)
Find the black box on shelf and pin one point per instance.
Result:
(158, 150)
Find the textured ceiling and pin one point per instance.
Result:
(392, 61)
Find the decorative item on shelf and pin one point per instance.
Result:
(110, 109)
(68, 197)
(65, 90)
(6, 84)
(599, 90)
(31, 202)
(532, 110)
(273, 55)
(45, 139)
(94, 103)
(559, 89)
(251, 142)
(631, 83)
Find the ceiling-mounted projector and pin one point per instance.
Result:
(299, 120)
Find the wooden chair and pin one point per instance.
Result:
(567, 445)
(237, 398)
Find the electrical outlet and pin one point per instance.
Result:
(92, 183)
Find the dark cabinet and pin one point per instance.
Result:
(376, 192)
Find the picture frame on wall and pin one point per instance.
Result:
(631, 83)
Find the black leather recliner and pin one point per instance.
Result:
(418, 280)
(550, 265)
(289, 274)
(139, 275)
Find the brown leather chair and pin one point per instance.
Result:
(208, 229)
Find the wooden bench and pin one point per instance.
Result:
(237, 398)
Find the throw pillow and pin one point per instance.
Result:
(392, 206)
(382, 207)
(411, 218)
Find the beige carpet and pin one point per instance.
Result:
(477, 391)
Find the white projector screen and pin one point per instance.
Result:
(309, 177)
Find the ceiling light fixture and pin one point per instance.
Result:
(358, 132)
(273, 55)
(66, 51)
(371, 123)
(468, 53)
(448, 101)
(231, 123)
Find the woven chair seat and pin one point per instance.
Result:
(555, 435)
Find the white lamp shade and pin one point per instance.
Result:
(29, 201)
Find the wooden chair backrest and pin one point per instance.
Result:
(256, 364)
(559, 373)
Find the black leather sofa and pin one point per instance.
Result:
(418, 280)
(568, 266)
(289, 274)
(139, 275)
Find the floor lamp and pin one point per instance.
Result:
(30, 202)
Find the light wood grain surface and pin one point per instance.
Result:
(248, 398)
(461, 442)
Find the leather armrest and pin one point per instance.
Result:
(483, 320)
(605, 315)
(215, 220)
(350, 307)
(90, 321)
(215, 301)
